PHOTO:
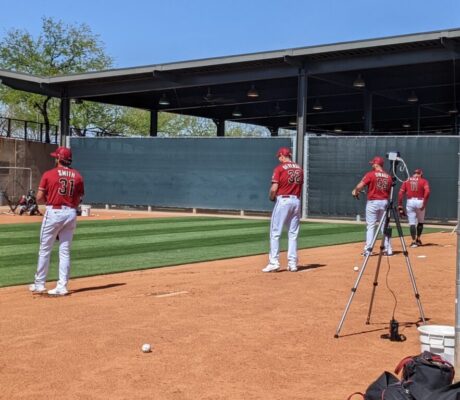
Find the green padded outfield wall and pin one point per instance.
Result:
(213, 173)
(336, 165)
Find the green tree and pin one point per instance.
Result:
(58, 49)
(64, 49)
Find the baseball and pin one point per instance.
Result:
(355, 268)
(146, 348)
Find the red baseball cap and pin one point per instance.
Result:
(284, 151)
(418, 171)
(377, 160)
(62, 154)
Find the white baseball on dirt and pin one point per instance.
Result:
(355, 268)
(146, 348)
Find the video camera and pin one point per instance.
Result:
(394, 158)
(393, 155)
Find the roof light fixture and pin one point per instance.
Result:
(406, 125)
(412, 97)
(317, 106)
(253, 93)
(237, 113)
(359, 82)
(293, 122)
(164, 100)
(338, 129)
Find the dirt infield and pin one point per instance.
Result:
(96, 214)
(221, 330)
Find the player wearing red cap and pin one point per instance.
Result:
(61, 189)
(378, 184)
(286, 189)
(417, 191)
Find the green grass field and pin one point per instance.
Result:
(102, 247)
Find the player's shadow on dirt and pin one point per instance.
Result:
(309, 266)
(87, 289)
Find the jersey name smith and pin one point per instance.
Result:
(66, 172)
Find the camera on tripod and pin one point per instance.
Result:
(393, 155)
(390, 212)
(394, 158)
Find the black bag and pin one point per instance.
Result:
(376, 388)
(426, 370)
(424, 377)
(398, 391)
(451, 392)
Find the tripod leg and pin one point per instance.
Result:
(408, 264)
(358, 279)
(386, 218)
(352, 294)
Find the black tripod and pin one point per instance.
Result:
(390, 211)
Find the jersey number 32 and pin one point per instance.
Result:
(294, 176)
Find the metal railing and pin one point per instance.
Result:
(27, 130)
(76, 132)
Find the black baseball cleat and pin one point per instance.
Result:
(419, 242)
(414, 244)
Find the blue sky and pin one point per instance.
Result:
(143, 32)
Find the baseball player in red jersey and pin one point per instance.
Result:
(378, 184)
(61, 189)
(417, 191)
(286, 189)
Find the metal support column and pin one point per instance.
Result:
(301, 157)
(64, 119)
(368, 112)
(273, 131)
(220, 124)
(302, 89)
(153, 122)
(8, 129)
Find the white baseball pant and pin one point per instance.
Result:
(56, 222)
(286, 213)
(414, 214)
(375, 209)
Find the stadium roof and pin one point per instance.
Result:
(396, 84)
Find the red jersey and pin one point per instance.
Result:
(414, 187)
(63, 186)
(289, 177)
(378, 185)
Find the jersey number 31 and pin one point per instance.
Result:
(67, 186)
